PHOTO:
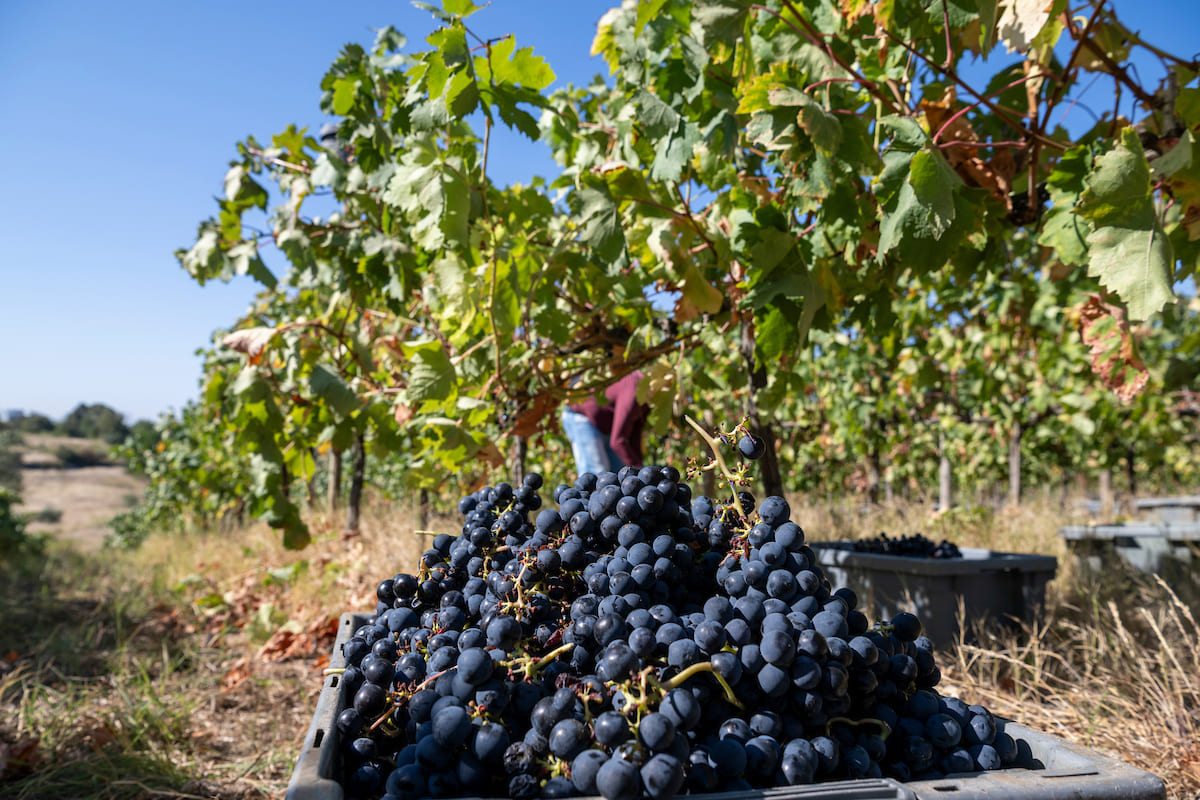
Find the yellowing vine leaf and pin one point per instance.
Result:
(1111, 348)
(1021, 21)
(251, 341)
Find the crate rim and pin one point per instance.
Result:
(309, 779)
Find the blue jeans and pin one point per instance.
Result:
(591, 448)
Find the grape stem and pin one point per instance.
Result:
(530, 667)
(553, 654)
(885, 730)
(399, 696)
(695, 669)
(714, 444)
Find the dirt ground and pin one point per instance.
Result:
(87, 496)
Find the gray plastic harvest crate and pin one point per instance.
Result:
(992, 586)
(1170, 509)
(1055, 769)
(1163, 548)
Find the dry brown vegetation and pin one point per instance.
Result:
(87, 497)
(190, 667)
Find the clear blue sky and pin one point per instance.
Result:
(118, 121)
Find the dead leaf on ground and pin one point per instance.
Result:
(101, 735)
(19, 757)
(236, 675)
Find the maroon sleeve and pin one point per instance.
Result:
(628, 416)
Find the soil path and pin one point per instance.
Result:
(88, 498)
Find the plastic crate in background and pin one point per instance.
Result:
(1162, 548)
(1054, 769)
(1169, 509)
(991, 586)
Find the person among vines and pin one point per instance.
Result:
(607, 436)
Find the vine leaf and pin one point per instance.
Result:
(821, 126)
(344, 92)
(1021, 21)
(924, 207)
(460, 8)
(1179, 157)
(251, 341)
(1066, 234)
(602, 224)
(698, 295)
(1128, 250)
(329, 386)
(674, 137)
(933, 183)
(1111, 348)
(719, 21)
(432, 376)
(994, 174)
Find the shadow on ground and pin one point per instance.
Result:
(108, 693)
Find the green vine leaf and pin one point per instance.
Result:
(1128, 250)
(326, 384)
(432, 377)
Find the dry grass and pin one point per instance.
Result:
(1112, 662)
(1113, 667)
(190, 668)
(87, 497)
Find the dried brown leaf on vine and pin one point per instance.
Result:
(1111, 348)
(402, 414)
(491, 455)
(759, 187)
(533, 415)
(994, 174)
(853, 10)
(394, 346)
(1021, 21)
(1058, 269)
(251, 341)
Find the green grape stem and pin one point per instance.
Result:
(529, 667)
(695, 669)
(885, 730)
(715, 445)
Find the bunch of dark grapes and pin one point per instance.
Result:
(636, 641)
(915, 546)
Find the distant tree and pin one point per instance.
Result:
(27, 423)
(10, 461)
(94, 422)
(142, 435)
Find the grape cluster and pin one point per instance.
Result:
(916, 545)
(636, 641)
